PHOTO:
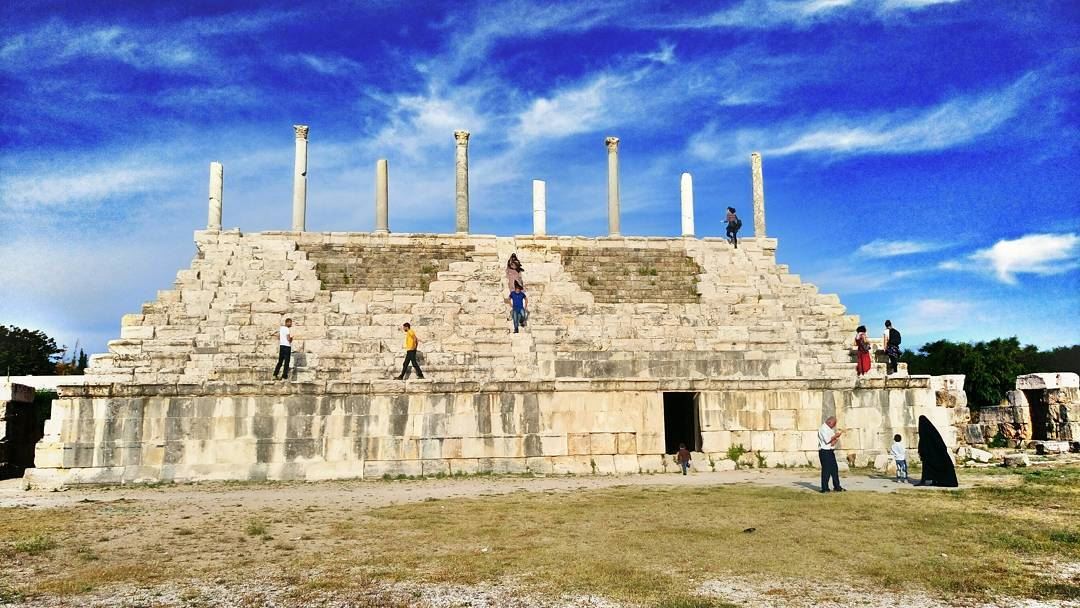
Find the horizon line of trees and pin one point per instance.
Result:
(25, 352)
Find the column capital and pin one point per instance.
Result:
(612, 144)
(462, 137)
(301, 131)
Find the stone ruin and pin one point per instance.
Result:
(634, 345)
(1044, 408)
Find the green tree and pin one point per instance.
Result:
(24, 352)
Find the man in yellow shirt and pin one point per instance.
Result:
(411, 342)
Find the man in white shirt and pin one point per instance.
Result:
(827, 437)
(284, 349)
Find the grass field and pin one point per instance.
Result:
(651, 546)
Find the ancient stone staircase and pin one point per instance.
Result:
(618, 308)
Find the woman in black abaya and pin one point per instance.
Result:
(937, 467)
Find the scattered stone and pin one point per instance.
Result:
(725, 465)
(1017, 460)
(1051, 447)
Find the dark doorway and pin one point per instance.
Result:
(681, 424)
(1039, 410)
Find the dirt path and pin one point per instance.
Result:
(372, 494)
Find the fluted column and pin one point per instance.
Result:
(759, 194)
(461, 185)
(686, 192)
(382, 196)
(613, 185)
(213, 220)
(539, 208)
(299, 190)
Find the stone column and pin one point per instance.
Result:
(213, 220)
(612, 185)
(759, 194)
(461, 160)
(382, 196)
(686, 190)
(299, 190)
(539, 208)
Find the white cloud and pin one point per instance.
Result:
(882, 248)
(949, 124)
(61, 189)
(1039, 254)
(937, 314)
(574, 110)
(799, 14)
(913, 4)
(848, 280)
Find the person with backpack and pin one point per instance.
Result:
(733, 226)
(892, 348)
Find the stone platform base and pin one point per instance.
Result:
(308, 431)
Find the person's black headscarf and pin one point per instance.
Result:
(937, 467)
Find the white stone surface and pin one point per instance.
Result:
(539, 196)
(758, 185)
(686, 197)
(1047, 381)
(382, 196)
(300, 168)
(213, 220)
(612, 144)
(461, 181)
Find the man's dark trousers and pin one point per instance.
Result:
(410, 357)
(829, 469)
(284, 356)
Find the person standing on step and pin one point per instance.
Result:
(827, 438)
(862, 345)
(892, 348)
(411, 342)
(519, 305)
(284, 349)
(513, 272)
(733, 226)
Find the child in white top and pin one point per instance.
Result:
(899, 454)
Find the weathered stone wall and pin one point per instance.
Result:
(18, 431)
(265, 431)
(747, 315)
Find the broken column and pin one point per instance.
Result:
(461, 160)
(382, 196)
(686, 190)
(539, 208)
(299, 191)
(759, 194)
(613, 185)
(213, 220)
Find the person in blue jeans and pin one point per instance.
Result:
(519, 304)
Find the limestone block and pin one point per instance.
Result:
(724, 465)
(741, 438)
(578, 444)
(136, 332)
(650, 443)
(651, 463)
(781, 419)
(1017, 460)
(716, 441)
(809, 419)
(787, 441)
(571, 465)
(603, 443)
(626, 443)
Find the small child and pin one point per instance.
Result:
(683, 458)
(899, 454)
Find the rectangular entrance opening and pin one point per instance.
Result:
(1039, 410)
(681, 422)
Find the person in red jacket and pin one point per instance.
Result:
(683, 458)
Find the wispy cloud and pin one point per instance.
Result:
(798, 14)
(937, 315)
(1038, 254)
(947, 125)
(62, 189)
(883, 248)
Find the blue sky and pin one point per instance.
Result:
(920, 156)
